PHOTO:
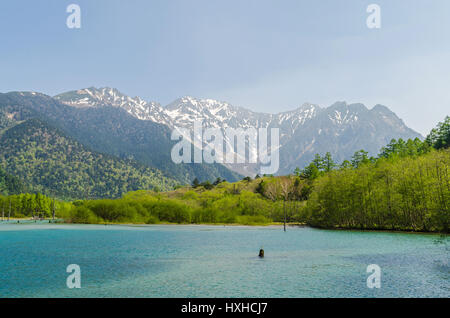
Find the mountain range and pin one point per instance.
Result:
(98, 142)
(132, 145)
(340, 129)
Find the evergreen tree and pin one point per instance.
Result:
(360, 158)
(195, 183)
(318, 161)
(328, 162)
(310, 172)
(440, 137)
(218, 181)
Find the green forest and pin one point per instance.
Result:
(34, 205)
(10, 184)
(127, 142)
(406, 187)
(54, 164)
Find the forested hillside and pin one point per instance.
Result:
(10, 184)
(56, 165)
(109, 130)
(409, 193)
(406, 188)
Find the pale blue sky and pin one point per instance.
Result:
(268, 56)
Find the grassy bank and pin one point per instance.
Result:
(226, 203)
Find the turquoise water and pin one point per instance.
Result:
(217, 261)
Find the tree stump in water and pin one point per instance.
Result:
(261, 253)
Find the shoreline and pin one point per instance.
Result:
(380, 231)
(273, 224)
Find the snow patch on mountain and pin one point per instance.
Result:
(340, 128)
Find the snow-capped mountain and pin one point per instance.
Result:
(216, 114)
(340, 128)
(93, 97)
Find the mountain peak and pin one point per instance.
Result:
(112, 97)
(197, 102)
(309, 105)
(381, 109)
(338, 104)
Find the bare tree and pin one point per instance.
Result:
(285, 184)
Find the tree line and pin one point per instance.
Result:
(28, 205)
(406, 187)
(410, 193)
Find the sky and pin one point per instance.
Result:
(268, 56)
